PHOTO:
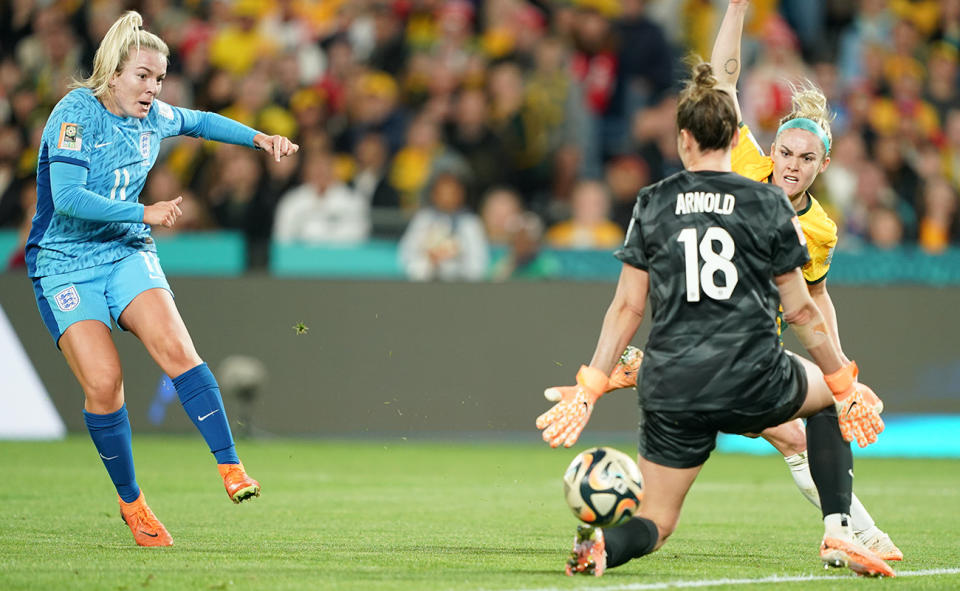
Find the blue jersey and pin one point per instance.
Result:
(117, 153)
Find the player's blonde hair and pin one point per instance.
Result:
(126, 34)
(809, 102)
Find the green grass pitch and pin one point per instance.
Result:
(419, 515)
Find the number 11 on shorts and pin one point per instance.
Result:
(152, 263)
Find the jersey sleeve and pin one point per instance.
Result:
(169, 119)
(788, 243)
(67, 134)
(632, 252)
(747, 158)
(211, 126)
(72, 198)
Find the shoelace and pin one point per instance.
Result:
(145, 517)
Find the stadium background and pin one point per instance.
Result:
(536, 96)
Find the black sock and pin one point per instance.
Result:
(633, 539)
(831, 461)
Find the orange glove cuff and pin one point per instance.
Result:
(841, 381)
(593, 381)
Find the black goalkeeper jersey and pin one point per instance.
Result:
(712, 243)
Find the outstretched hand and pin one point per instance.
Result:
(858, 407)
(563, 423)
(163, 213)
(624, 375)
(859, 415)
(277, 146)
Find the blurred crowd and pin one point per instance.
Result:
(457, 125)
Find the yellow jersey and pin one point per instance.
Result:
(820, 231)
(568, 234)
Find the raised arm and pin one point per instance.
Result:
(725, 58)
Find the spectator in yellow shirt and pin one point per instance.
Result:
(237, 46)
(589, 225)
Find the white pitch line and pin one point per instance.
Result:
(770, 579)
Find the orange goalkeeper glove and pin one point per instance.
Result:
(624, 375)
(563, 423)
(858, 407)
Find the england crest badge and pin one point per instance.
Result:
(68, 299)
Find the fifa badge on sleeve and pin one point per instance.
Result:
(71, 137)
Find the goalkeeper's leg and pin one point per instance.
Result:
(831, 467)
(665, 488)
(664, 491)
(790, 439)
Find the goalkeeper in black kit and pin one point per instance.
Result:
(716, 253)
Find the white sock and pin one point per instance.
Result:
(800, 470)
(837, 525)
(860, 520)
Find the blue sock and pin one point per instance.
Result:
(111, 436)
(200, 397)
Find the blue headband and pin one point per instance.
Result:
(807, 125)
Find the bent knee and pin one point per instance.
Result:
(103, 391)
(789, 438)
(175, 356)
(104, 382)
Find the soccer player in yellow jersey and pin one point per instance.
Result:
(800, 151)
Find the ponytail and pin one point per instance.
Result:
(126, 34)
(706, 111)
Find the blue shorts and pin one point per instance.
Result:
(98, 293)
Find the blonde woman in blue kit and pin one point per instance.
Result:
(93, 262)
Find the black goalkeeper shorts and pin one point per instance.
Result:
(684, 439)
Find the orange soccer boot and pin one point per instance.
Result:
(589, 554)
(879, 543)
(240, 487)
(839, 553)
(146, 528)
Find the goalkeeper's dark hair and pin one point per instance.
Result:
(704, 110)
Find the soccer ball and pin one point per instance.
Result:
(603, 486)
